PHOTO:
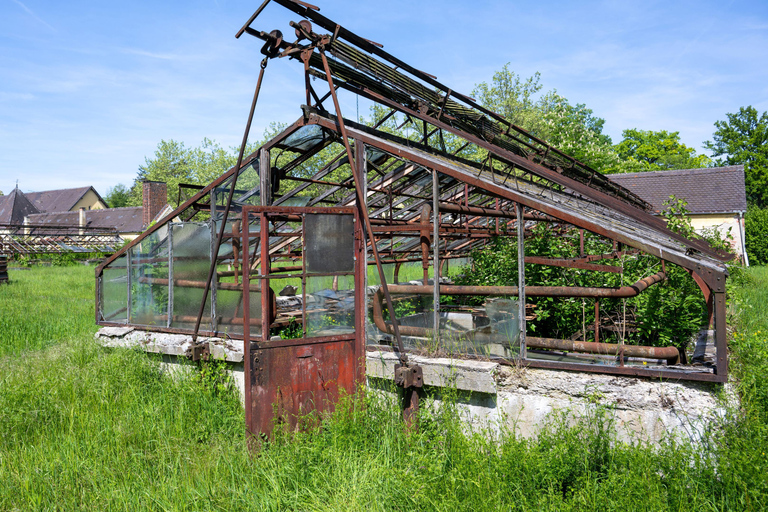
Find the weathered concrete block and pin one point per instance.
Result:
(495, 396)
(462, 374)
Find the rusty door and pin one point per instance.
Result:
(311, 263)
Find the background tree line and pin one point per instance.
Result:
(572, 128)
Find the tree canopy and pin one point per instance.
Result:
(118, 196)
(573, 129)
(743, 139)
(174, 163)
(648, 150)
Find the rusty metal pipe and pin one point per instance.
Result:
(490, 291)
(670, 354)
(535, 291)
(189, 283)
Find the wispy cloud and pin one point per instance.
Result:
(153, 55)
(31, 13)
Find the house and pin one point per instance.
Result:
(14, 207)
(83, 207)
(67, 200)
(716, 197)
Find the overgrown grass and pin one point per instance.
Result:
(82, 427)
(44, 305)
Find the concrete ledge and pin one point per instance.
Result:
(467, 375)
(168, 344)
(496, 396)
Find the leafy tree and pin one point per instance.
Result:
(1, 193)
(573, 129)
(648, 150)
(118, 196)
(174, 163)
(743, 139)
(513, 98)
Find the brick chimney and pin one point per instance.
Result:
(81, 219)
(154, 198)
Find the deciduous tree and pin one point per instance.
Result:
(118, 196)
(743, 139)
(648, 150)
(573, 129)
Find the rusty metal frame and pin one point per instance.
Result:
(522, 179)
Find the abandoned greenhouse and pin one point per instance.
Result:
(334, 238)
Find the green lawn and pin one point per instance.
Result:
(82, 427)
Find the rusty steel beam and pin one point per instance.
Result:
(535, 291)
(491, 212)
(569, 263)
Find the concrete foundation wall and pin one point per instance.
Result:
(492, 395)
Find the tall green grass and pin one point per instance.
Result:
(85, 428)
(44, 305)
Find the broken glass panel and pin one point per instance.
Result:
(149, 280)
(114, 291)
(190, 265)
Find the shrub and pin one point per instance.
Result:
(756, 235)
(668, 313)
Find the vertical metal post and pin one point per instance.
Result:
(361, 265)
(170, 274)
(597, 320)
(265, 181)
(129, 270)
(435, 251)
(521, 276)
(266, 304)
(214, 258)
(265, 194)
(246, 320)
(720, 334)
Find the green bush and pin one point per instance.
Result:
(756, 235)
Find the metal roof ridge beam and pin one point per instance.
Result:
(543, 172)
(679, 257)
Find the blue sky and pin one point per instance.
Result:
(88, 88)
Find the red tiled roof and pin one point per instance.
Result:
(708, 190)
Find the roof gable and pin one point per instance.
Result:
(62, 200)
(708, 190)
(14, 207)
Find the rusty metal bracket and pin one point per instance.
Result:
(410, 376)
(411, 379)
(199, 351)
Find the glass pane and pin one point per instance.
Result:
(229, 311)
(191, 262)
(149, 280)
(288, 298)
(305, 138)
(229, 283)
(330, 243)
(247, 188)
(114, 291)
(330, 305)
